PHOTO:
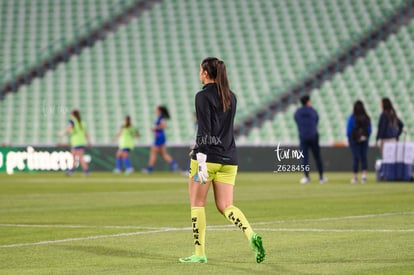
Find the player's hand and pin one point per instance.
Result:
(202, 168)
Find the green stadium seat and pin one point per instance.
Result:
(154, 60)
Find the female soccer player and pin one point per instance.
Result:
(160, 139)
(126, 135)
(214, 160)
(79, 139)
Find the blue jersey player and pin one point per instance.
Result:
(159, 147)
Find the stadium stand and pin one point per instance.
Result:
(33, 30)
(386, 71)
(267, 45)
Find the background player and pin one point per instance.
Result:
(79, 139)
(160, 139)
(126, 135)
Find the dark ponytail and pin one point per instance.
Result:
(76, 115)
(389, 111)
(164, 112)
(216, 70)
(223, 85)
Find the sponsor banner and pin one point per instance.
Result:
(31, 159)
(270, 159)
(102, 158)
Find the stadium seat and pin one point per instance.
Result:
(371, 78)
(267, 45)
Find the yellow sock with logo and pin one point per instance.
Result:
(236, 217)
(198, 220)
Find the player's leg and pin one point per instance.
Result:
(74, 157)
(164, 153)
(198, 195)
(82, 161)
(364, 161)
(223, 185)
(355, 161)
(168, 158)
(153, 155)
(118, 162)
(152, 158)
(316, 151)
(127, 163)
(304, 147)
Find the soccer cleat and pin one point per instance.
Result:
(128, 171)
(305, 180)
(257, 246)
(323, 180)
(185, 173)
(174, 167)
(354, 180)
(194, 259)
(363, 179)
(146, 171)
(116, 171)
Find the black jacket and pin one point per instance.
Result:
(215, 128)
(307, 119)
(386, 130)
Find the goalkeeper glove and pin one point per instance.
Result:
(202, 167)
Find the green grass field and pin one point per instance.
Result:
(113, 224)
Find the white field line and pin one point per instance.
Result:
(323, 230)
(120, 179)
(339, 218)
(211, 227)
(78, 226)
(319, 230)
(152, 230)
(90, 238)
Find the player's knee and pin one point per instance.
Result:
(221, 206)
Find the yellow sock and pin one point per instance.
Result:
(236, 217)
(198, 220)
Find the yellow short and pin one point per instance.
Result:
(217, 172)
